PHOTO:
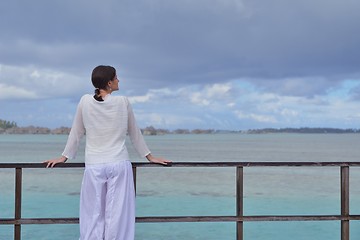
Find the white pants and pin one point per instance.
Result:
(107, 202)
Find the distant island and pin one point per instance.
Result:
(303, 130)
(7, 127)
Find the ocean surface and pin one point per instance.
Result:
(195, 191)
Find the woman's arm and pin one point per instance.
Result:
(76, 133)
(138, 141)
(134, 133)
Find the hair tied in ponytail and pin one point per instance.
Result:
(97, 95)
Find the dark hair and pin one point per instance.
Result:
(100, 77)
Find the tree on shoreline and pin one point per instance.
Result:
(7, 124)
(7, 127)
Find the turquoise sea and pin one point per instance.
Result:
(195, 191)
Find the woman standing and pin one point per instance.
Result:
(107, 200)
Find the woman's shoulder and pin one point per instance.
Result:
(86, 97)
(122, 99)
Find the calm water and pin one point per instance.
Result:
(197, 191)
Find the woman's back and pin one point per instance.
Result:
(106, 125)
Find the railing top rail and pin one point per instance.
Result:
(197, 164)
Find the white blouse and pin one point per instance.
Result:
(106, 125)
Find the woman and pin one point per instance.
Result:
(107, 200)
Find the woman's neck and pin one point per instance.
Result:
(103, 93)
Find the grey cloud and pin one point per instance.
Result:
(306, 86)
(174, 43)
(37, 83)
(355, 93)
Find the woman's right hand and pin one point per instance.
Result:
(52, 162)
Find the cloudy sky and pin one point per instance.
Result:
(220, 64)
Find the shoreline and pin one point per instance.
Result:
(153, 131)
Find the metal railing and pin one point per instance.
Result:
(344, 217)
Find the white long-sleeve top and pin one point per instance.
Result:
(106, 125)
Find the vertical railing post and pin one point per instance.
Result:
(18, 190)
(239, 201)
(345, 229)
(134, 177)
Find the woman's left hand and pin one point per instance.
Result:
(158, 160)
